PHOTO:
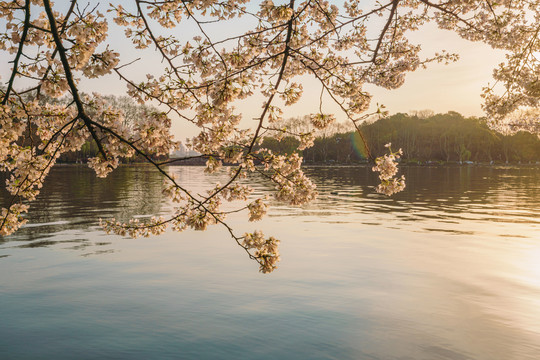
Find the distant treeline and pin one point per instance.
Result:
(446, 137)
(90, 149)
(440, 138)
(132, 113)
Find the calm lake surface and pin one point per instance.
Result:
(448, 269)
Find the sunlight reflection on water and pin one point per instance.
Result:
(448, 269)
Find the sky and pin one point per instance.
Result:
(441, 88)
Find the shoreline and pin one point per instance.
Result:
(363, 164)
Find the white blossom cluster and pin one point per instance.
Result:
(266, 251)
(257, 209)
(386, 166)
(12, 218)
(344, 47)
(321, 121)
(135, 228)
(525, 119)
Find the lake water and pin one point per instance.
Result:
(448, 269)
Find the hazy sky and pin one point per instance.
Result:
(440, 88)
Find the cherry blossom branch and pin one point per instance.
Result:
(385, 28)
(69, 77)
(450, 13)
(19, 51)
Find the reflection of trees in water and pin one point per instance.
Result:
(447, 189)
(483, 185)
(73, 198)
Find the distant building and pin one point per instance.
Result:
(183, 151)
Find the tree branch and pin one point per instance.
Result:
(69, 77)
(19, 51)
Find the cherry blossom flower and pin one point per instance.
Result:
(345, 48)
